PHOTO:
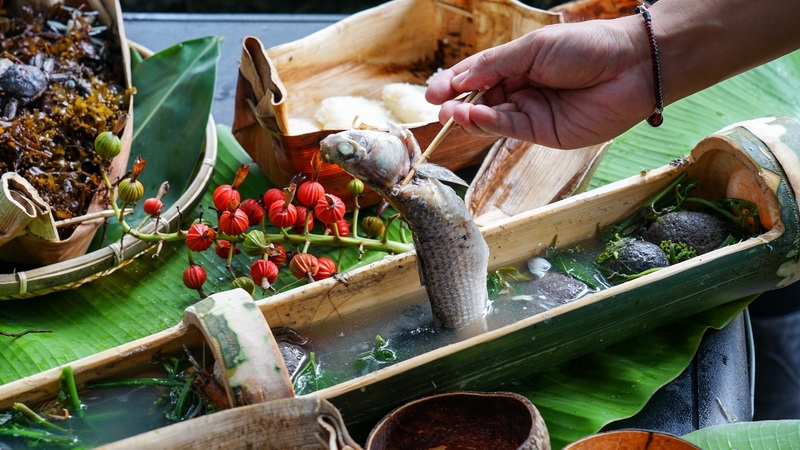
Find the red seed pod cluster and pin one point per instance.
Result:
(255, 226)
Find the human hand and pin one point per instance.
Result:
(562, 86)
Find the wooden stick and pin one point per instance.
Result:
(85, 217)
(473, 97)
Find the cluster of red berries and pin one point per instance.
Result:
(294, 209)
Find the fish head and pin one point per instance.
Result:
(377, 158)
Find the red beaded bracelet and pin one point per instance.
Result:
(656, 118)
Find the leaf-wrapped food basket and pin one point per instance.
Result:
(28, 282)
(39, 244)
(755, 161)
(402, 41)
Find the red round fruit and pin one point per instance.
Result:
(223, 248)
(194, 276)
(153, 206)
(304, 265)
(302, 213)
(200, 237)
(282, 215)
(327, 267)
(271, 196)
(233, 223)
(254, 211)
(329, 209)
(264, 272)
(342, 225)
(277, 254)
(309, 193)
(223, 195)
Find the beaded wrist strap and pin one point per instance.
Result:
(656, 118)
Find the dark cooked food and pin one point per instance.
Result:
(61, 83)
(633, 256)
(700, 230)
(561, 287)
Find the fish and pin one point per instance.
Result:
(452, 255)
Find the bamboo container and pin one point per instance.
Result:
(399, 41)
(755, 160)
(38, 248)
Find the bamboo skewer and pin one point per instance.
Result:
(90, 216)
(473, 97)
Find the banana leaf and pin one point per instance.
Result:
(762, 435)
(147, 295)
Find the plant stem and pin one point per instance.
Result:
(26, 433)
(30, 414)
(67, 381)
(138, 382)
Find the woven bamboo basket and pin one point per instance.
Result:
(755, 160)
(400, 41)
(86, 267)
(30, 248)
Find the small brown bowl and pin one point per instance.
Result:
(463, 420)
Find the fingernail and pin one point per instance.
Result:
(458, 79)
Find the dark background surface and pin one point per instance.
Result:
(263, 6)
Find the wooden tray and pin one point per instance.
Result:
(756, 160)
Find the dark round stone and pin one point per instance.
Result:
(561, 287)
(636, 256)
(699, 230)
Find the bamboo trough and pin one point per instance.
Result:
(755, 160)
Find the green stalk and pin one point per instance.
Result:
(27, 433)
(67, 382)
(181, 404)
(30, 414)
(162, 382)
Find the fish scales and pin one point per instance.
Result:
(452, 255)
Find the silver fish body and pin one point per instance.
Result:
(452, 255)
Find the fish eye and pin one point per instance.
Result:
(345, 148)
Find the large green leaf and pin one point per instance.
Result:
(771, 89)
(762, 435)
(174, 91)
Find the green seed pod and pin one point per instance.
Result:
(255, 243)
(356, 187)
(373, 226)
(245, 283)
(130, 191)
(107, 145)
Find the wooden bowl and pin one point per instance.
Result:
(400, 41)
(631, 440)
(463, 420)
